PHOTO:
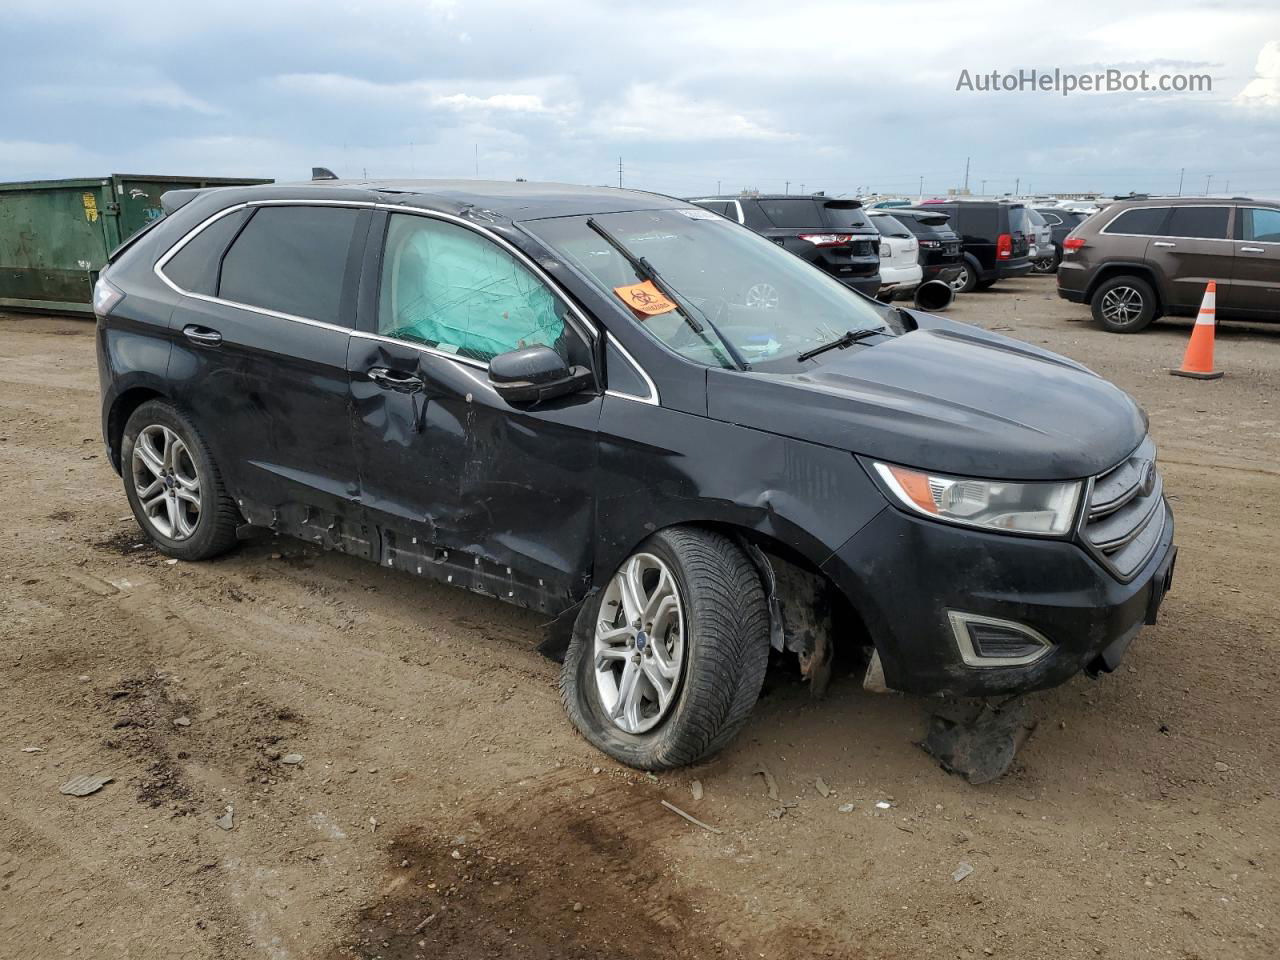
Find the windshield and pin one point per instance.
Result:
(890, 226)
(771, 305)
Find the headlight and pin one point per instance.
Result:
(1046, 509)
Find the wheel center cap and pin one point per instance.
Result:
(641, 640)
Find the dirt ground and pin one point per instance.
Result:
(444, 807)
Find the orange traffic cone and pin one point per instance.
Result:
(1198, 361)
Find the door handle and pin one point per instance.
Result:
(202, 335)
(1252, 250)
(1163, 243)
(394, 380)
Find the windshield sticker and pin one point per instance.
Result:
(644, 298)
(697, 213)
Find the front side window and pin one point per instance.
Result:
(1260, 224)
(769, 304)
(1141, 222)
(1206, 223)
(454, 290)
(291, 260)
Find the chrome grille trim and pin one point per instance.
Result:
(1123, 522)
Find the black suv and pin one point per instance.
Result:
(834, 234)
(575, 399)
(940, 254)
(995, 238)
(1141, 259)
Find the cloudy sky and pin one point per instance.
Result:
(724, 93)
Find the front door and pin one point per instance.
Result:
(1255, 285)
(463, 486)
(1194, 249)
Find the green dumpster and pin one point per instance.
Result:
(55, 234)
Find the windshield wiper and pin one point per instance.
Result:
(842, 341)
(646, 271)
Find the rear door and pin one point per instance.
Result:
(260, 360)
(463, 486)
(1194, 248)
(1255, 281)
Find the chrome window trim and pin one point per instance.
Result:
(652, 398)
(582, 325)
(173, 251)
(1172, 236)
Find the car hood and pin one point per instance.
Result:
(947, 397)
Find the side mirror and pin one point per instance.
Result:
(534, 374)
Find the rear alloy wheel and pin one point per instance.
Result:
(173, 485)
(668, 659)
(1043, 265)
(1124, 304)
(965, 280)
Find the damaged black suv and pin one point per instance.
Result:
(569, 398)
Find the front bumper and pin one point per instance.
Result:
(903, 573)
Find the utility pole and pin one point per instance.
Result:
(477, 161)
(717, 188)
(981, 190)
(802, 189)
(619, 171)
(1017, 182)
(966, 175)
(1227, 188)
(1207, 180)
(921, 191)
(1181, 174)
(787, 188)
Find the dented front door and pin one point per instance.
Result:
(462, 486)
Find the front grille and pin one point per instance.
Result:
(1126, 514)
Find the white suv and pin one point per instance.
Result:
(900, 270)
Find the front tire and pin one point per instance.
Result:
(1124, 304)
(670, 657)
(174, 487)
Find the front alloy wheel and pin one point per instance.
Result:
(639, 644)
(667, 660)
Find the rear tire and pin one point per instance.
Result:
(1124, 304)
(968, 277)
(174, 487)
(722, 653)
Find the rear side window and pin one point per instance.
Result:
(1208, 223)
(1260, 224)
(291, 260)
(194, 268)
(1142, 222)
(890, 226)
(1050, 217)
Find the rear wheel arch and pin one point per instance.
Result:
(121, 410)
(1139, 270)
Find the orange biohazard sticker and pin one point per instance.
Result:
(645, 298)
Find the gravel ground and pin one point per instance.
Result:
(444, 808)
